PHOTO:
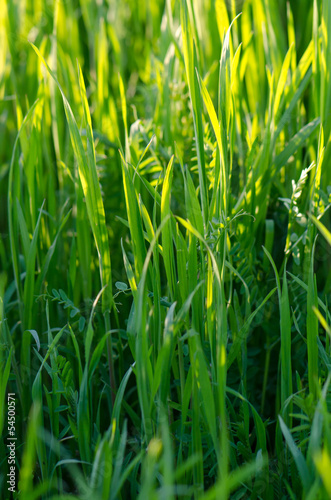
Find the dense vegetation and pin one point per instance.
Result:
(164, 256)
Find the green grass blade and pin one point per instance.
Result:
(312, 329)
(297, 455)
(89, 180)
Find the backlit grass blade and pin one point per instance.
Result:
(320, 419)
(324, 231)
(167, 236)
(193, 207)
(130, 274)
(322, 320)
(221, 142)
(94, 203)
(90, 183)
(325, 59)
(190, 58)
(11, 222)
(135, 222)
(323, 465)
(224, 88)
(284, 119)
(282, 80)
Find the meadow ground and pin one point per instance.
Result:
(165, 253)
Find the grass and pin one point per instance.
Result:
(165, 249)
